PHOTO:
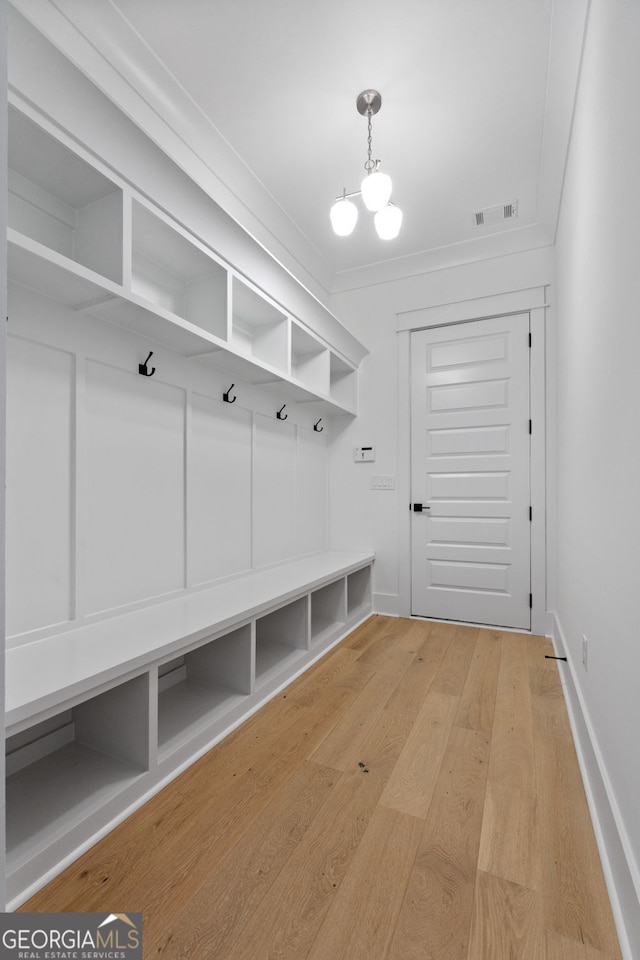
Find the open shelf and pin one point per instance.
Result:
(343, 382)
(65, 768)
(76, 237)
(202, 686)
(328, 610)
(359, 591)
(258, 328)
(174, 274)
(309, 360)
(62, 202)
(281, 637)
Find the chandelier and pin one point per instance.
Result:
(375, 188)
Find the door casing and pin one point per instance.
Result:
(533, 302)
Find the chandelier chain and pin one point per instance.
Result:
(369, 163)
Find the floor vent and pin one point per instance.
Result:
(503, 211)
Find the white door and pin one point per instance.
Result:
(470, 452)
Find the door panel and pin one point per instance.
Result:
(470, 470)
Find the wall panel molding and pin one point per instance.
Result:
(154, 485)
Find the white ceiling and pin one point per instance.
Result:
(476, 112)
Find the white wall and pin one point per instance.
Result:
(371, 519)
(598, 251)
(3, 301)
(123, 489)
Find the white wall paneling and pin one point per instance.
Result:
(40, 483)
(154, 485)
(219, 503)
(274, 490)
(312, 490)
(133, 501)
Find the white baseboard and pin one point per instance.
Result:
(386, 604)
(620, 869)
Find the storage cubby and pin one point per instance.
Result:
(172, 273)
(343, 382)
(197, 689)
(359, 591)
(84, 749)
(309, 360)
(258, 328)
(61, 201)
(65, 768)
(280, 638)
(328, 609)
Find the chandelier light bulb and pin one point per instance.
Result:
(344, 215)
(376, 190)
(388, 222)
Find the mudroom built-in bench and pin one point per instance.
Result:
(102, 716)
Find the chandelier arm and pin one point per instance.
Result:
(347, 196)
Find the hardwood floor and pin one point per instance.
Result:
(414, 796)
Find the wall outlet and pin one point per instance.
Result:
(585, 651)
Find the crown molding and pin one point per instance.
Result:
(487, 247)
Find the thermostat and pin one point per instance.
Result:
(364, 454)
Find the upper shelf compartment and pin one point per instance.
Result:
(309, 360)
(172, 273)
(344, 380)
(258, 327)
(61, 201)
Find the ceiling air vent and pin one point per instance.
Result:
(503, 211)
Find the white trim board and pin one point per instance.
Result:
(479, 308)
(621, 872)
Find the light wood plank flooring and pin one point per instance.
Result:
(414, 796)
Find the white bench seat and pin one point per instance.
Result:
(100, 717)
(48, 672)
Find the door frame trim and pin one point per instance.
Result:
(531, 301)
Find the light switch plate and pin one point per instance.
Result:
(383, 483)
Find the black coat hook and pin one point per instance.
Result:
(317, 428)
(279, 414)
(142, 367)
(226, 397)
